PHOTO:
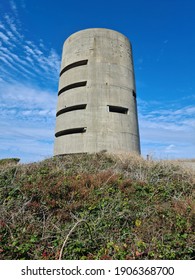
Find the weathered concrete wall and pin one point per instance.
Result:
(97, 97)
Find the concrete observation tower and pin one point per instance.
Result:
(96, 107)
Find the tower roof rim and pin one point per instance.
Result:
(97, 29)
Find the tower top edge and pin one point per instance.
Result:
(96, 31)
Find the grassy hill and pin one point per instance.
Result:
(97, 207)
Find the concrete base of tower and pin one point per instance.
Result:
(75, 144)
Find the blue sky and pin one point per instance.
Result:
(162, 34)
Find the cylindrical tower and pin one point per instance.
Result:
(97, 107)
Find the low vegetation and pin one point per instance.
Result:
(97, 207)
(8, 161)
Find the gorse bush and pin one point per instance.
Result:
(97, 207)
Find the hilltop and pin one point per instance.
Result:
(97, 206)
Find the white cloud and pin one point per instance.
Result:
(28, 92)
(170, 148)
(11, 24)
(27, 121)
(167, 131)
(27, 149)
(2, 26)
(24, 96)
(26, 60)
(13, 7)
(5, 39)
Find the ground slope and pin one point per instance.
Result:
(97, 207)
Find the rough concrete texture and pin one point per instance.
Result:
(96, 107)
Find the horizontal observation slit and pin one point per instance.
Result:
(117, 109)
(75, 85)
(71, 108)
(71, 131)
(74, 64)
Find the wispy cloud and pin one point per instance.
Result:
(28, 91)
(27, 121)
(13, 7)
(4, 38)
(167, 131)
(31, 60)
